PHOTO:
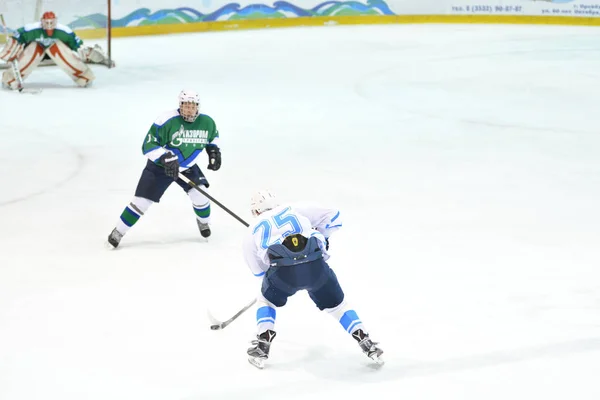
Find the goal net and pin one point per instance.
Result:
(90, 19)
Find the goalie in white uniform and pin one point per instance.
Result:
(31, 44)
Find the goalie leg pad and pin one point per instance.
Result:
(11, 50)
(29, 60)
(66, 59)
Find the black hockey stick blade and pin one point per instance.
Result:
(217, 325)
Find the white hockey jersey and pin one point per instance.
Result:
(273, 226)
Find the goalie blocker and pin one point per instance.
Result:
(33, 54)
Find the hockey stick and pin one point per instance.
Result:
(217, 325)
(14, 65)
(198, 188)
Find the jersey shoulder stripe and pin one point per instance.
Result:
(64, 28)
(32, 26)
(166, 117)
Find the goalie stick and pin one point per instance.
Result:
(218, 325)
(14, 65)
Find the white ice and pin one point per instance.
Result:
(466, 161)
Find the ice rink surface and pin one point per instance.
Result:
(466, 163)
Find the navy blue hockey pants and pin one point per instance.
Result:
(154, 182)
(316, 277)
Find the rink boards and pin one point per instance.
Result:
(155, 17)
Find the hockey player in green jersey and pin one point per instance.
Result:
(172, 145)
(48, 39)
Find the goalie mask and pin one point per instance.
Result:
(49, 22)
(189, 105)
(263, 200)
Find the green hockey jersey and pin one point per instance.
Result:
(184, 139)
(35, 33)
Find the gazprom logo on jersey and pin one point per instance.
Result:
(46, 42)
(184, 136)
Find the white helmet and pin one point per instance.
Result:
(262, 201)
(189, 96)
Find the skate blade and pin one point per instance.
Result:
(257, 362)
(378, 359)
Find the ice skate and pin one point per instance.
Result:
(115, 238)
(368, 346)
(260, 352)
(204, 229)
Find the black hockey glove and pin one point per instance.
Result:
(171, 164)
(214, 157)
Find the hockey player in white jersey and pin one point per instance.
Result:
(287, 247)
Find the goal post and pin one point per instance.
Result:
(90, 19)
